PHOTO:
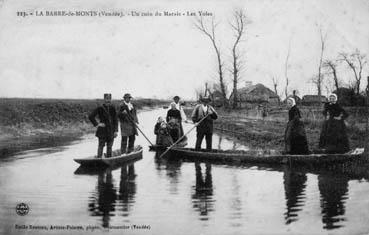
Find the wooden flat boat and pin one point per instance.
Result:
(268, 157)
(116, 159)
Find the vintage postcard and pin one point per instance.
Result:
(184, 117)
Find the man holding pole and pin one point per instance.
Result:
(128, 120)
(206, 114)
(107, 126)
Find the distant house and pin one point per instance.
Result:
(313, 100)
(255, 94)
(217, 98)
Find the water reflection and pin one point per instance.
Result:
(127, 188)
(105, 200)
(202, 197)
(333, 196)
(172, 168)
(294, 186)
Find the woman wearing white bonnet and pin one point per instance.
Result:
(295, 136)
(333, 137)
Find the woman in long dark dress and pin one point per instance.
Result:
(333, 137)
(174, 120)
(295, 136)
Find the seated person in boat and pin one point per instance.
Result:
(128, 120)
(178, 106)
(107, 125)
(161, 131)
(205, 127)
(333, 137)
(174, 121)
(295, 136)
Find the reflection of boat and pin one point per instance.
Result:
(156, 147)
(116, 159)
(264, 156)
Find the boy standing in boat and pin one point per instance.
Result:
(107, 127)
(128, 119)
(204, 128)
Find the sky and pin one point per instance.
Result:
(163, 56)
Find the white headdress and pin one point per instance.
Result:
(335, 97)
(292, 100)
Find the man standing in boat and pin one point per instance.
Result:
(107, 127)
(128, 119)
(205, 127)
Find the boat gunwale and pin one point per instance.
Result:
(108, 161)
(245, 153)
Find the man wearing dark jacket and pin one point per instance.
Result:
(107, 127)
(128, 120)
(205, 128)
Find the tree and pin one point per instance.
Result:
(286, 69)
(210, 33)
(239, 28)
(367, 117)
(355, 62)
(275, 85)
(331, 66)
(319, 78)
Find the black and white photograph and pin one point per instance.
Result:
(189, 117)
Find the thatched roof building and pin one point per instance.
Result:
(313, 100)
(256, 94)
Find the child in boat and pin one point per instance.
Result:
(161, 131)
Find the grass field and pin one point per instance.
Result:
(23, 121)
(251, 128)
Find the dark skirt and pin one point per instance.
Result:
(333, 137)
(295, 138)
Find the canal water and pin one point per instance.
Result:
(158, 196)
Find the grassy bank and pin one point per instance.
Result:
(256, 132)
(24, 121)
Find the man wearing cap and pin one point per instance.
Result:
(204, 128)
(128, 119)
(107, 127)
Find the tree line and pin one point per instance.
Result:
(327, 76)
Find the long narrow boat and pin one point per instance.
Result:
(156, 147)
(264, 156)
(116, 159)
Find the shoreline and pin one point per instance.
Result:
(36, 124)
(268, 133)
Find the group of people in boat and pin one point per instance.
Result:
(105, 118)
(333, 136)
(169, 130)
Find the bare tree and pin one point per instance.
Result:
(275, 85)
(210, 33)
(319, 79)
(332, 67)
(367, 117)
(239, 28)
(286, 69)
(198, 92)
(356, 62)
